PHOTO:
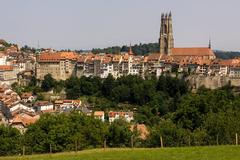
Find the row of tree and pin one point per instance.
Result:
(138, 49)
(131, 89)
(65, 132)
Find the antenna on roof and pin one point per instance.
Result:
(210, 43)
(38, 46)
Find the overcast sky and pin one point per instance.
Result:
(86, 24)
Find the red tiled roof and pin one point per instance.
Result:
(24, 119)
(98, 113)
(192, 52)
(121, 114)
(154, 57)
(6, 67)
(42, 103)
(26, 95)
(56, 57)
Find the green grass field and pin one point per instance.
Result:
(188, 153)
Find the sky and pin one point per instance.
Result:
(87, 24)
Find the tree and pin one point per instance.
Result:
(121, 93)
(119, 134)
(48, 83)
(108, 85)
(10, 141)
(171, 134)
(64, 132)
(33, 81)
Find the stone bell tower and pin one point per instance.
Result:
(166, 41)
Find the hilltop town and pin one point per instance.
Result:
(21, 68)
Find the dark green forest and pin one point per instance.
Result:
(141, 49)
(166, 106)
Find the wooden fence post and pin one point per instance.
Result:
(189, 141)
(132, 145)
(161, 141)
(236, 139)
(217, 140)
(23, 151)
(76, 147)
(105, 143)
(50, 148)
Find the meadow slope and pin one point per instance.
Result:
(187, 153)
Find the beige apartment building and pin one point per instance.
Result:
(61, 65)
(8, 74)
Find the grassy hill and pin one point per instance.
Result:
(188, 153)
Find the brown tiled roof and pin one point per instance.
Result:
(121, 114)
(82, 58)
(153, 57)
(67, 101)
(117, 58)
(98, 113)
(6, 68)
(106, 60)
(26, 95)
(49, 111)
(24, 119)
(56, 57)
(42, 103)
(192, 52)
(228, 62)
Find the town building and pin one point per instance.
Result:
(27, 97)
(22, 121)
(44, 107)
(67, 105)
(99, 115)
(166, 43)
(3, 58)
(8, 74)
(127, 116)
(61, 65)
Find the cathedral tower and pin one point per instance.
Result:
(166, 41)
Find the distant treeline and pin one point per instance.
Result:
(226, 54)
(138, 49)
(143, 49)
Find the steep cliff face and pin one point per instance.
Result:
(211, 82)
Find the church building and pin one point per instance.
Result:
(166, 44)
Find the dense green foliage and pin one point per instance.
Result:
(226, 54)
(131, 89)
(165, 105)
(140, 49)
(49, 83)
(63, 132)
(188, 153)
(10, 141)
